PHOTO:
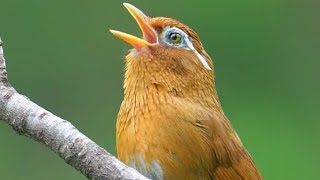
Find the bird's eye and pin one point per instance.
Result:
(175, 38)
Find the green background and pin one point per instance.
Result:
(61, 55)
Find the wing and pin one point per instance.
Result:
(231, 161)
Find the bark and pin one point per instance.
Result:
(28, 119)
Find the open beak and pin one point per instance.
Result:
(149, 35)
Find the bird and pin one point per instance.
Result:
(171, 124)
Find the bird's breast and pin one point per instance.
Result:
(158, 136)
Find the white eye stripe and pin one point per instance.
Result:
(188, 44)
(201, 58)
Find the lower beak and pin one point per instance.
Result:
(149, 35)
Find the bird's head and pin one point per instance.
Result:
(169, 55)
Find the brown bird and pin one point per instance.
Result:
(171, 124)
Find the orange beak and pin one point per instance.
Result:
(149, 35)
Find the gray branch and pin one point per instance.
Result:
(29, 119)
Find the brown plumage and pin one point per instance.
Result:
(171, 124)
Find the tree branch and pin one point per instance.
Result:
(31, 120)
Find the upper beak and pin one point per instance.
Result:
(149, 35)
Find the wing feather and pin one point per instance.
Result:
(231, 161)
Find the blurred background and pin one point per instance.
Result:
(62, 56)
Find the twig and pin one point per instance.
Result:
(31, 120)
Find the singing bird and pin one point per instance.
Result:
(171, 124)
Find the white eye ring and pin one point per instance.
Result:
(185, 42)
